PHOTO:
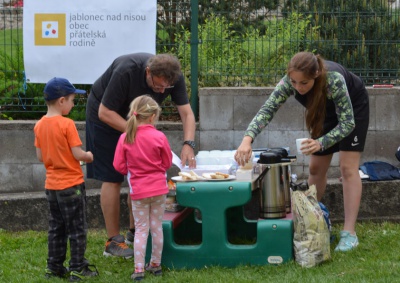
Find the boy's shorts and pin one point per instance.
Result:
(102, 140)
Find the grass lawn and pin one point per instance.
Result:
(377, 259)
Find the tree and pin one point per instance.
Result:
(362, 35)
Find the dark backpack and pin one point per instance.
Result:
(380, 171)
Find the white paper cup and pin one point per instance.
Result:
(299, 145)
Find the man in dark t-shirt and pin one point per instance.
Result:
(128, 77)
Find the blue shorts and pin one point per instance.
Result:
(102, 140)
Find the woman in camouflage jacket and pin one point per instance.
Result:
(337, 118)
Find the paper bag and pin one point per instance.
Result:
(311, 234)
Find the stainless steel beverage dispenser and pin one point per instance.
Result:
(270, 182)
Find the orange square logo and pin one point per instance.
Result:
(50, 29)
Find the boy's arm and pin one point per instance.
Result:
(39, 154)
(81, 155)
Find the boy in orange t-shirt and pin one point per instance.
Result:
(58, 146)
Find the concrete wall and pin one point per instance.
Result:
(20, 171)
(28, 211)
(224, 115)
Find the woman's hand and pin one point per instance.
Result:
(244, 151)
(310, 146)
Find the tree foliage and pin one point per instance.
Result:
(249, 58)
(362, 35)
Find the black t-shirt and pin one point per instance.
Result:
(125, 80)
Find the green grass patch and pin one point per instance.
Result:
(377, 259)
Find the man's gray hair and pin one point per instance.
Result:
(166, 66)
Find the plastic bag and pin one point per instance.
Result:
(311, 238)
(326, 213)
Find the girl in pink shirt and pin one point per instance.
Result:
(144, 155)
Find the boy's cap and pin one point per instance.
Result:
(60, 87)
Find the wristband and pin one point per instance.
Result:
(192, 144)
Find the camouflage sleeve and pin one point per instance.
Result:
(337, 91)
(267, 111)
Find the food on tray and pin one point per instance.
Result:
(216, 175)
(185, 176)
(219, 175)
(190, 176)
(222, 174)
(193, 174)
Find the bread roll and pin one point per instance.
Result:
(187, 176)
(206, 175)
(194, 174)
(222, 174)
(217, 176)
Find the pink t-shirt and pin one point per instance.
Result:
(145, 161)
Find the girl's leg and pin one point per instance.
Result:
(156, 216)
(140, 211)
(319, 165)
(352, 187)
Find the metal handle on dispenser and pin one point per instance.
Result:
(261, 176)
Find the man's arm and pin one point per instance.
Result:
(189, 129)
(112, 118)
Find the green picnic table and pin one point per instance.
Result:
(212, 229)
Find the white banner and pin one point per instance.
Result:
(78, 40)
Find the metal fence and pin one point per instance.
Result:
(234, 43)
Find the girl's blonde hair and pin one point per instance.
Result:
(141, 109)
(311, 66)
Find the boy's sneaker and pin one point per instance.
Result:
(83, 274)
(137, 276)
(156, 270)
(347, 242)
(117, 247)
(130, 237)
(60, 274)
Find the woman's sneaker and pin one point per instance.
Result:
(117, 247)
(84, 273)
(156, 270)
(347, 242)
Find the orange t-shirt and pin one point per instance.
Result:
(55, 136)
